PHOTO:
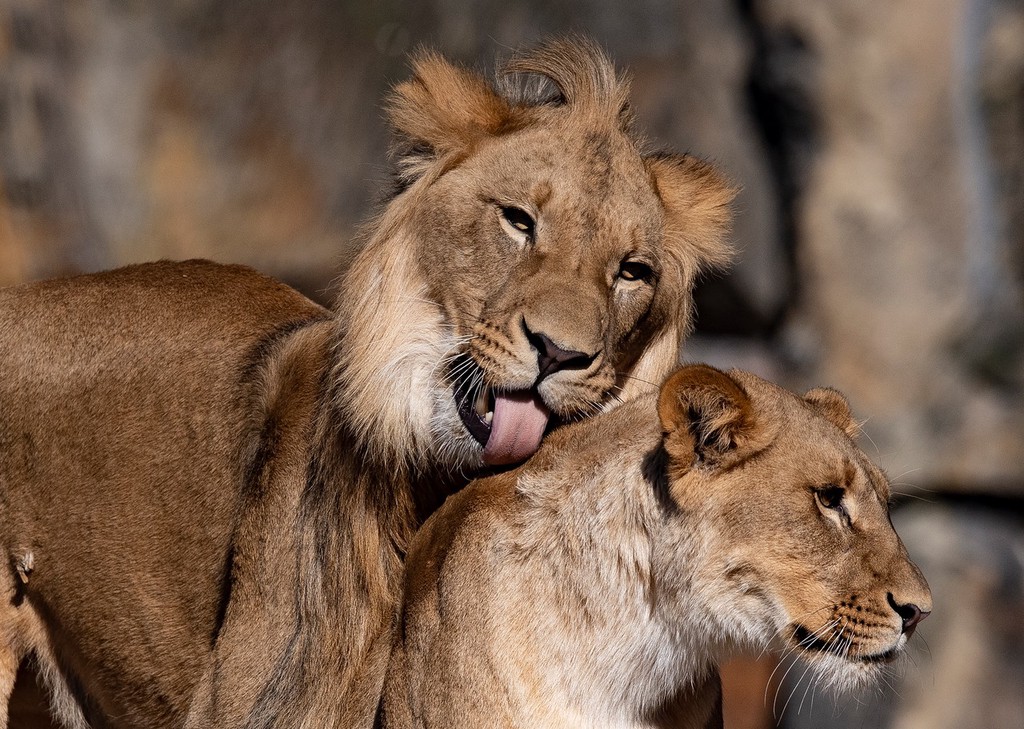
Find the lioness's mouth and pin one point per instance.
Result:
(885, 657)
(810, 642)
(509, 424)
(807, 641)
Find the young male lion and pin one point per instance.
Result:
(207, 482)
(599, 584)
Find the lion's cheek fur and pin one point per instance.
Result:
(393, 342)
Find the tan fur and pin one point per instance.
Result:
(599, 584)
(217, 479)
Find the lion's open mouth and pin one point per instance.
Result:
(508, 424)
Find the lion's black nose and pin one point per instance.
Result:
(911, 614)
(551, 358)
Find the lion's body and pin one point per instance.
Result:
(127, 529)
(207, 483)
(599, 584)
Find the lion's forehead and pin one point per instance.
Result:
(593, 168)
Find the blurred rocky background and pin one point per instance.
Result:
(879, 145)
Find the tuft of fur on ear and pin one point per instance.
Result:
(586, 79)
(698, 218)
(705, 415)
(834, 406)
(442, 110)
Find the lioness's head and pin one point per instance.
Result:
(535, 261)
(798, 544)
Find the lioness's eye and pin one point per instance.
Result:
(634, 271)
(517, 223)
(830, 496)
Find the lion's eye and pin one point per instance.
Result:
(634, 271)
(830, 497)
(518, 224)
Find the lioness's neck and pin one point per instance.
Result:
(598, 539)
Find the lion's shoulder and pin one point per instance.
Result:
(160, 292)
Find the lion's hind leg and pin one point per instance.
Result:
(9, 662)
(17, 625)
(23, 634)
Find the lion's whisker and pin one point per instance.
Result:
(638, 379)
(462, 368)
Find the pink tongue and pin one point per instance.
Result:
(516, 429)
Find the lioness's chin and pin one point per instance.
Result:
(841, 665)
(843, 675)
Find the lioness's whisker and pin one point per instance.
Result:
(927, 648)
(884, 679)
(860, 430)
(815, 682)
(768, 684)
(807, 641)
(782, 682)
(818, 633)
(790, 650)
(814, 677)
(796, 685)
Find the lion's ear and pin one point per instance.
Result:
(443, 109)
(696, 199)
(834, 406)
(705, 416)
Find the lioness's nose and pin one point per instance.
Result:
(551, 358)
(911, 614)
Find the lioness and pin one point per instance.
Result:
(599, 584)
(207, 482)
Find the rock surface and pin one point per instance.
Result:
(903, 269)
(877, 148)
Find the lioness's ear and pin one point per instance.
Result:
(696, 200)
(835, 407)
(443, 109)
(704, 414)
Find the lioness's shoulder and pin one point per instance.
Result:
(608, 439)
